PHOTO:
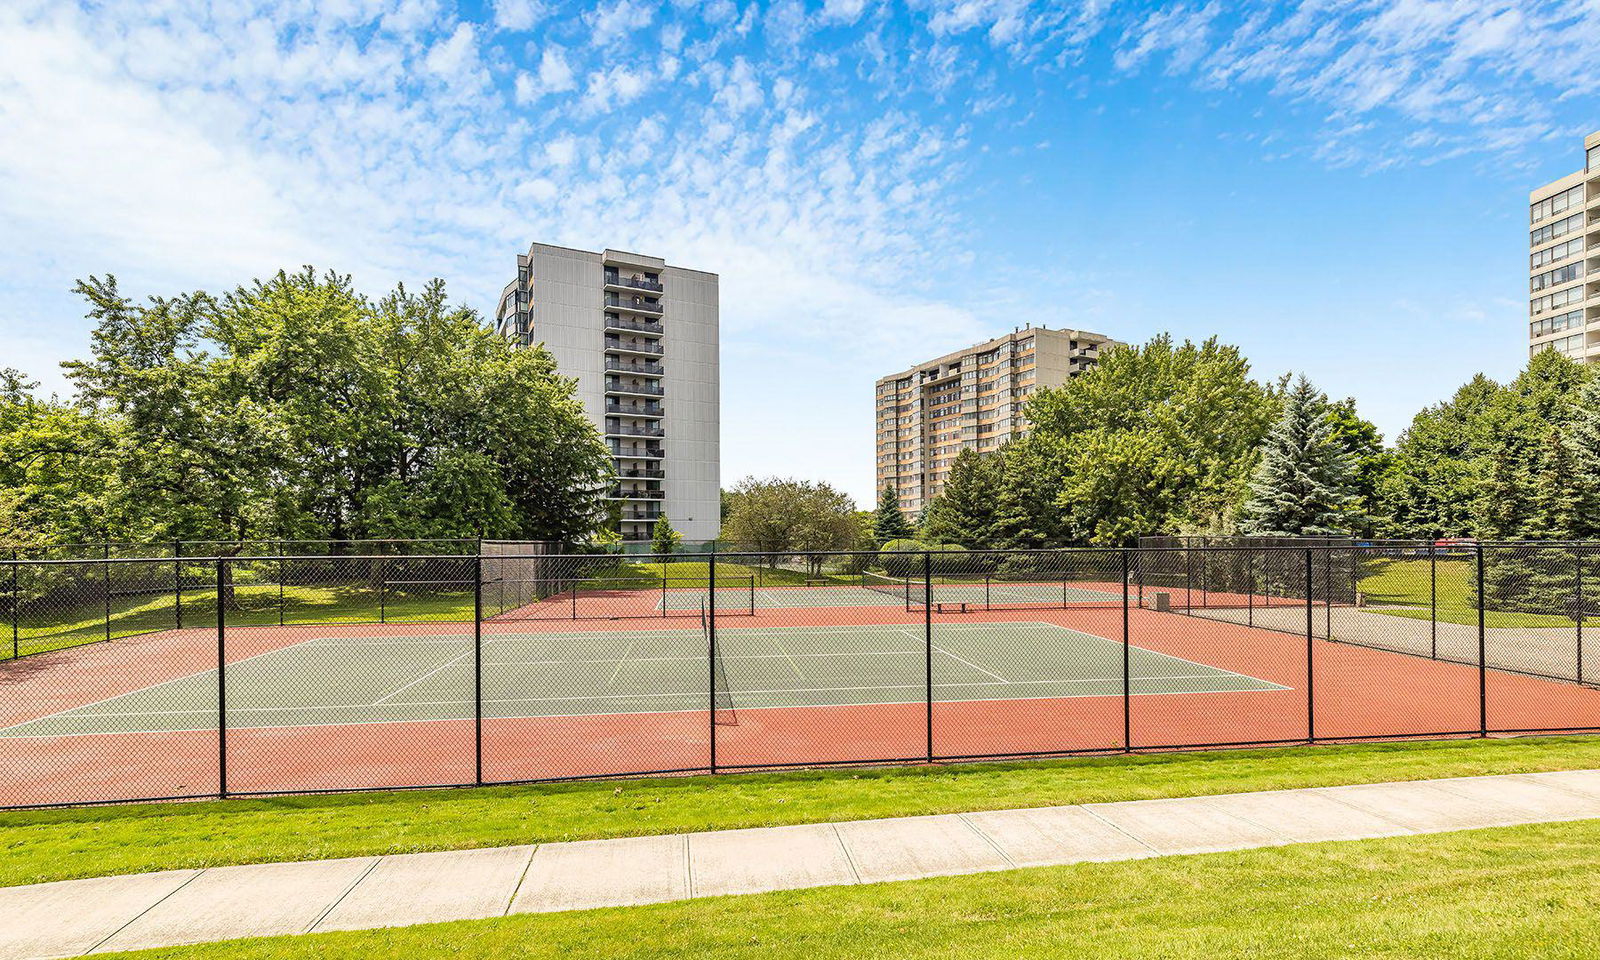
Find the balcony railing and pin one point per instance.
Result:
(635, 409)
(643, 326)
(621, 494)
(637, 283)
(640, 453)
(641, 514)
(645, 473)
(636, 346)
(616, 431)
(627, 303)
(624, 366)
(645, 389)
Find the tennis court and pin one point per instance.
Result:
(326, 681)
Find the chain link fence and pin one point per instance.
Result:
(132, 678)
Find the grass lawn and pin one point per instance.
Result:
(42, 845)
(254, 605)
(1405, 584)
(1513, 892)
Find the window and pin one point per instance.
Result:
(1553, 301)
(1594, 158)
(1565, 321)
(1571, 346)
(1556, 277)
(1560, 251)
(1560, 228)
(1560, 203)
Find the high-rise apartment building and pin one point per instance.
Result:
(1564, 261)
(970, 399)
(640, 339)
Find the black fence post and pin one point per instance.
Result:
(1250, 585)
(1433, 600)
(16, 608)
(1127, 706)
(177, 584)
(222, 687)
(1311, 674)
(106, 581)
(477, 669)
(1483, 679)
(927, 647)
(711, 654)
(1577, 597)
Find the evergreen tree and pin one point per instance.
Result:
(666, 539)
(1555, 492)
(966, 511)
(1301, 486)
(1583, 442)
(890, 523)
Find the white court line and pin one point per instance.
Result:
(425, 676)
(698, 694)
(846, 630)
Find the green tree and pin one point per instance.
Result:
(785, 516)
(1156, 438)
(666, 540)
(1557, 494)
(1361, 441)
(1583, 444)
(1301, 486)
(890, 523)
(295, 407)
(966, 510)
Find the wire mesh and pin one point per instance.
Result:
(174, 676)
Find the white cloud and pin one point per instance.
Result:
(520, 15)
(561, 151)
(610, 21)
(455, 54)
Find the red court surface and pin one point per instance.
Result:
(1350, 693)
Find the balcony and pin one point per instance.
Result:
(617, 493)
(642, 473)
(638, 453)
(641, 514)
(641, 326)
(634, 409)
(613, 430)
(646, 347)
(637, 389)
(633, 283)
(645, 369)
(615, 302)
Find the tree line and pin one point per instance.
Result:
(296, 408)
(1169, 438)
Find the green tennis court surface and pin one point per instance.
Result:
(891, 593)
(390, 679)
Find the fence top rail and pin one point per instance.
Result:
(946, 555)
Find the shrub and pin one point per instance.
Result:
(899, 558)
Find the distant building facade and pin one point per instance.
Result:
(640, 337)
(1564, 261)
(969, 399)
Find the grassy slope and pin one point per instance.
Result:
(1507, 893)
(61, 844)
(1405, 583)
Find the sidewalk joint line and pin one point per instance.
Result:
(527, 865)
(346, 892)
(988, 840)
(101, 942)
(849, 858)
(1139, 840)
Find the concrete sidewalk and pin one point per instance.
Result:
(191, 906)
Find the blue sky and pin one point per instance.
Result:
(1337, 187)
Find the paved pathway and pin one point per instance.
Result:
(190, 906)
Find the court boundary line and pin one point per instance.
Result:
(847, 629)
